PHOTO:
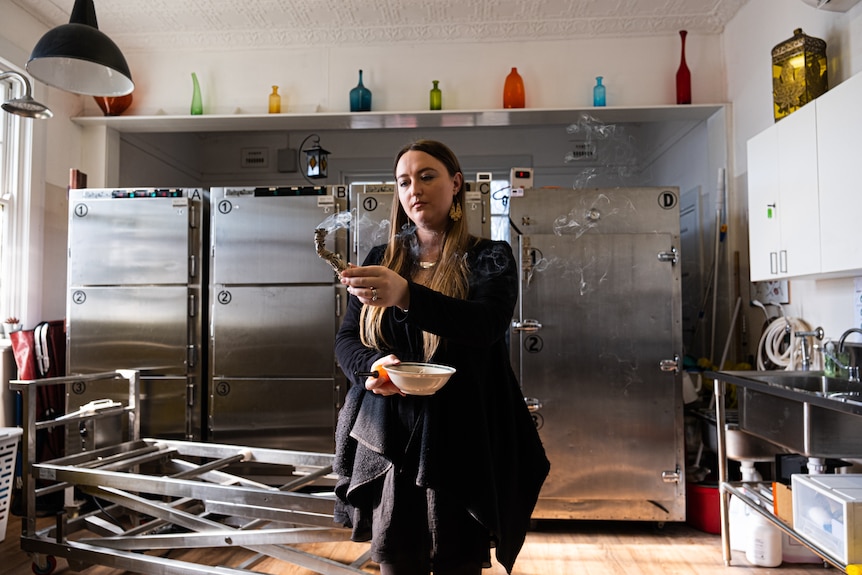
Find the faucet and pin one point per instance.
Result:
(852, 370)
(806, 355)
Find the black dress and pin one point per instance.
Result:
(472, 446)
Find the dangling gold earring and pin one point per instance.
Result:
(455, 211)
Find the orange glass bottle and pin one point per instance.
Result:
(513, 90)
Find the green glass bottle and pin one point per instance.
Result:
(436, 97)
(197, 106)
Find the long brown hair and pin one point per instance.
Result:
(449, 277)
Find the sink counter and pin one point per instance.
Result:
(813, 387)
(806, 412)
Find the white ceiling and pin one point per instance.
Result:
(260, 24)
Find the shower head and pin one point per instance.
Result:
(24, 105)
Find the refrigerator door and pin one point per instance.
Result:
(372, 205)
(166, 412)
(116, 238)
(278, 413)
(266, 235)
(373, 202)
(274, 331)
(599, 312)
(129, 327)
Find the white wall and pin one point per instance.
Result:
(748, 42)
(638, 71)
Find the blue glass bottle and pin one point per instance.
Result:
(599, 93)
(360, 97)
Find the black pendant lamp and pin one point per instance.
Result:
(77, 57)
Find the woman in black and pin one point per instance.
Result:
(434, 481)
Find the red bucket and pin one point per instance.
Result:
(702, 507)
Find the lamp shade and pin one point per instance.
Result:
(77, 57)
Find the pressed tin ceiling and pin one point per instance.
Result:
(149, 25)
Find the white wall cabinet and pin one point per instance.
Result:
(805, 192)
(783, 210)
(839, 127)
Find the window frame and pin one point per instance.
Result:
(15, 159)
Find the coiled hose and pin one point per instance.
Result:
(774, 344)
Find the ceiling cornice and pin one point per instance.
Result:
(155, 25)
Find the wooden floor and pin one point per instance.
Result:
(552, 548)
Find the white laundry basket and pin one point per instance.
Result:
(8, 452)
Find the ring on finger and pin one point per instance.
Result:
(373, 294)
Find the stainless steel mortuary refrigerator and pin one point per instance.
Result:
(596, 342)
(136, 300)
(275, 309)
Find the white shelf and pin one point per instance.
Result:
(396, 120)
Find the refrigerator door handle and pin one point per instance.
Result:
(670, 256)
(533, 404)
(670, 364)
(528, 326)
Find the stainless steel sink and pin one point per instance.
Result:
(809, 381)
(806, 412)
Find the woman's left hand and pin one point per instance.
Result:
(382, 384)
(377, 286)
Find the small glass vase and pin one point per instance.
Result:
(436, 97)
(274, 101)
(683, 75)
(360, 97)
(599, 93)
(113, 105)
(197, 107)
(513, 90)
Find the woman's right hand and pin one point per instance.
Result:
(381, 384)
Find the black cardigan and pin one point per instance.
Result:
(478, 440)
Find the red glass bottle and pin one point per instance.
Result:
(513, 90)
(683, 76)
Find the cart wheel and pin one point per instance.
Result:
(51, 564)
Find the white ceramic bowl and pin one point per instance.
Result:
(419, 378)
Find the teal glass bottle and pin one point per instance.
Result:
(197, 108)
(360, 97)
(436, 97)
(599, 93)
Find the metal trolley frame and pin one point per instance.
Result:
(189, 496)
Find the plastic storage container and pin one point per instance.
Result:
(827, 509)
(8, 452)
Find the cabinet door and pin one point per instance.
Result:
(839, 123)
(784, 229)
(799, 209)
(763, 231)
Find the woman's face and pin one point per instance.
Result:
(425, 189)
